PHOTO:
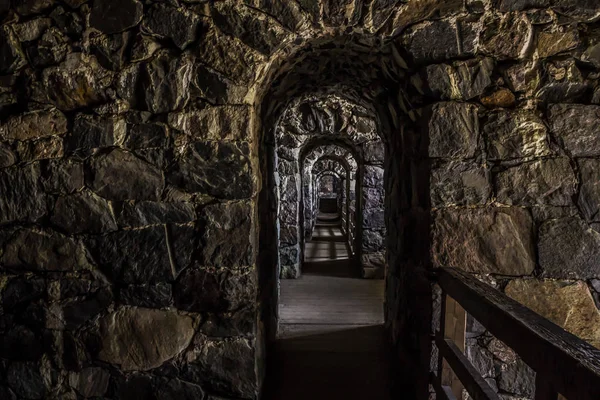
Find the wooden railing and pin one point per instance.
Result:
(565, 365)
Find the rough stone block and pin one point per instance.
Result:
(453, 130)
(485, 241)
(568, 304)
(135, 257)
(511, 135)
(461, 80)
(569, 249)
(209, 290)
(43, 251)
(139, 339)
(83, 212)
(589, 192)
(545, 182)
(22, 197)
(576, 126)
(220, 169)
(120, 175)
(226, 235)
(224, 366)
(459, 183)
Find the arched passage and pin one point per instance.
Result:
(358, 97)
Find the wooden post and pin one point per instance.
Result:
(453, 326)
(543, 388)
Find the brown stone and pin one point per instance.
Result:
(544, 182)
(552, 43)
(485, 241)
(34, 125)
(139, 339)
(501, 98)
(568, 304)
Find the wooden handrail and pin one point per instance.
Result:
(563, 362)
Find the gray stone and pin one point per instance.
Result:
(224, 366)
(453, 130)
(119, 175)
(135, 256)
(20, 343)
(35, 125)
(90, 382)
(512, 135)
(111, 50)
(91, 132)
(373, 197)
(238, 323)
(288, 235)
(113, 16)
(459, 183)
(219, 169)
(150, 296)
(580, 10)
(374, 152)
(565, 92)
(143, 48)
(141, 339)
(143, 136)
(83, 212)
(175, 389)
(63, 176)
(517, 378)
(77, 82)
(576, 127)
(432, 41)
(26, 379)
(226, 235)
(22, 198)
(51, 49)
(11, 54)
(265, 36)
(545, 182)
(43, 251)
(373, 176)
(484, 241)
(461, 80)
(589, 191)
(21, 291)
(147, 213)
(76, 313)
(523, 77)
(177, 24)
(160, 85)
(41, 149)
(228, 56)
(372, 241)
(213, 123)
(7, 156)
(507, 36)
(569, 249)
(289, 14)
(207, 290)
(414, 12)
(374, 219)
(32, 30)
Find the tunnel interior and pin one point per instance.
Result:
(160, 188)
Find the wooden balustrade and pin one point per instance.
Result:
(566, 366)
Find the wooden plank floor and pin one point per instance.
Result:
(331, 340)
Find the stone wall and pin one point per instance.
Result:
(136, 176)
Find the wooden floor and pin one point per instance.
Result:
(331, 340)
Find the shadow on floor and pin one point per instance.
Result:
(348, 364)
